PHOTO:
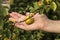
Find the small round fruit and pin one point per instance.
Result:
(6, 38)
(27, 17)
(40, 2)
(31, 14)
(13, 36)
(53, 6)
(29, 21)
(48, 1)
(0, 35)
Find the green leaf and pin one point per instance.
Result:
(47, 8)
(36, 5)
(53, 6)
(1, 23)
(3, 11)
(31, 9)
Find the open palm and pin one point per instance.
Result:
(39, 21)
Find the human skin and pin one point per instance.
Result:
(41, 22)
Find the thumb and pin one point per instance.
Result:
(27, 13)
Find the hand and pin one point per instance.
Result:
(16, 17)
(40, 21)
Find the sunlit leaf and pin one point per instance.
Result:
(3, 11)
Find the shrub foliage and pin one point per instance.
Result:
(51, 8)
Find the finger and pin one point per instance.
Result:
(17, 18)
(26, 27)
(24, 24)
(15, 13)
(12, 19)
(23, 17)
(18, 25)
(33, 26)
(29, 27)
(27, 13)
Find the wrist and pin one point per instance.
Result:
(46, 24)
(52, 26)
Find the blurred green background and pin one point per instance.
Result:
(51, 8)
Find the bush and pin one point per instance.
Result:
(8, 32)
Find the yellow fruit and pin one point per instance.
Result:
(27, 17)
(29, 21)
(13, 21)
(48, 1)
(14, 36)
(53, 6)
(6, 38)
(0, 35)
(40, 2)
(31, 14)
